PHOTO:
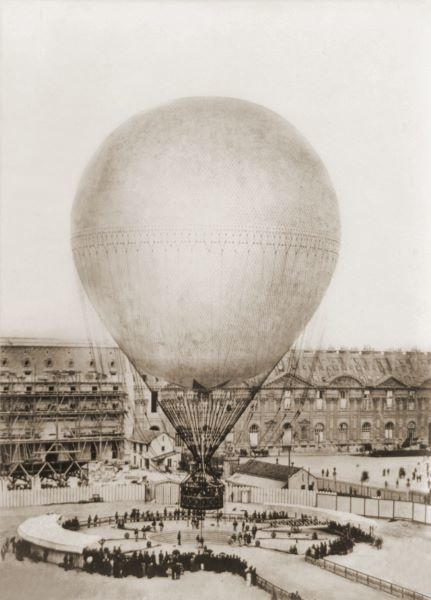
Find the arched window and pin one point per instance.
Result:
(366, 431)
(319, 432)
(343, 430)
(389, 430)
(254, 435)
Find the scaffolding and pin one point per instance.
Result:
(54, 430)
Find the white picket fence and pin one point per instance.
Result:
(376, 507)
(168, 493)
(35, 497)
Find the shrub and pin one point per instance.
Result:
(149, 544)
(314, 536)
(257, 543)
(126, 535)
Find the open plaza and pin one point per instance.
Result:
(280, 537)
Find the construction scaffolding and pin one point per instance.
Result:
(53, 429)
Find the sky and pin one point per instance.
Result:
(353, 77)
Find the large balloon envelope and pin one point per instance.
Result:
(205, 233)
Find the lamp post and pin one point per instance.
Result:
(289, 448)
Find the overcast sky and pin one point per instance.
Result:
(353, 77)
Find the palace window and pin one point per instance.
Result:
(366, 401)
(318, 403)
(50, 388)
(303, 432)
(411, 430)
(389, 399)
(343, 430)
(287, 435)
(389, 430)
(254, 435)
(411, 403)
(319, 432)
(287, 399)
(343, 400)
(366, 431)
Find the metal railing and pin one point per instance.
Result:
(374, 582)
(277, 593)
(347, 488)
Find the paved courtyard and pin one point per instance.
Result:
(287, 571)
(350, 468)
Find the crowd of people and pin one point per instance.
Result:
(194, 518)
(118, 564)
(347, 536)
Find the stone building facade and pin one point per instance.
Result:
(72, 403)
(342, 400)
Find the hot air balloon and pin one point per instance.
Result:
(205, 233)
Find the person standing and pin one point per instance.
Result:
(179, 538)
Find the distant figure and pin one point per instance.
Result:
(179, 538)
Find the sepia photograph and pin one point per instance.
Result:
(215, 299)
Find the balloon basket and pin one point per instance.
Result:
(201, 491)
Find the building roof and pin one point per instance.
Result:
(321, 368)
(145, 436)
(370, 368)
(267, 470)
